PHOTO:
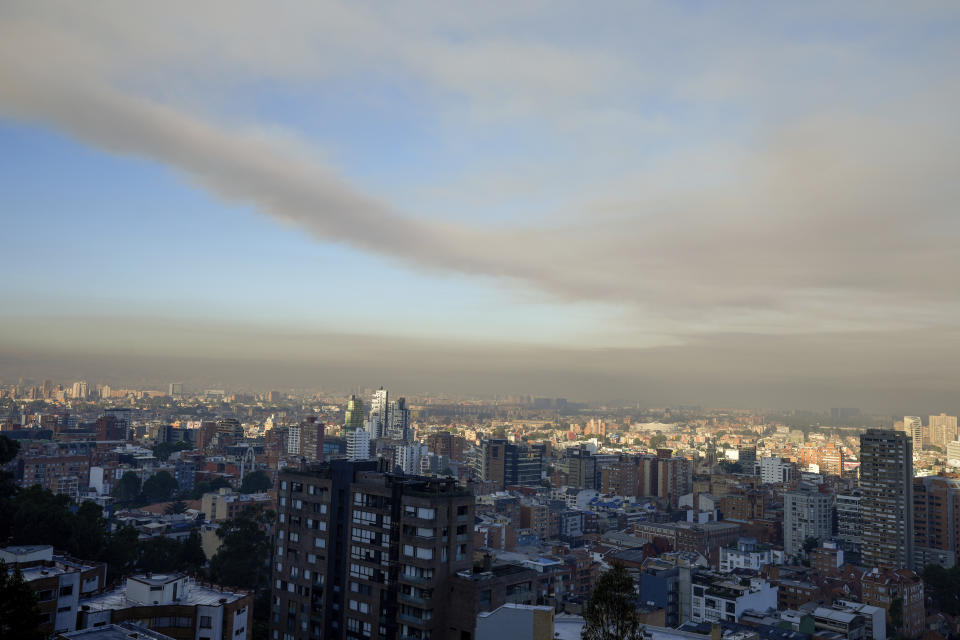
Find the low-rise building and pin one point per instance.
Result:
(748, 554)
(58, 582)
(174, 605)
(719, 597)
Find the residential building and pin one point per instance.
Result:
(776, 470)
(718, 597)
(913, 427)
(516, 621)
(849, 529)
(172, 604)
(748, 554)
(881, 588)
(807, 513)
(57, 581)
(936, 521)
(943, 429)
(886, 507)
(361, 553)
(226, 503)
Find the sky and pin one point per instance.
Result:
(750, 204)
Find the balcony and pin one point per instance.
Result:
(406, 597)
(415, 579)
(413, 619)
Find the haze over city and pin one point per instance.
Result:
(749, 205)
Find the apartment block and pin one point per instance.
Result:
(362, 553)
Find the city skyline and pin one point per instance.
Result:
(749, 205)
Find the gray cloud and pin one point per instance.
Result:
(900, 372)
(836, 217)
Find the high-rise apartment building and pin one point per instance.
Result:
(358, 444)
(353, 418)
(580, 467)
(807, 513)
(776, 470)
(365, 554)
(886, 508)
(398, 420)
(943, 429)
(936, 521)
(379, 405)
(849, 527)
(913, 427)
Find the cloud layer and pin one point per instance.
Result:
(825, 201)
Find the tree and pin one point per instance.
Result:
(19, 615)
(159, 487)
(127, 490)
(255, 482)
(8, 486)
(657, 441)
(192, 557)
(158, 554)
(243, 547)
(810, 543)
(162, 450)
(896, 614)
(611, 612)
(942, 586)
(120, 553)
(176, 507)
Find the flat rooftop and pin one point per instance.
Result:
(196, 594)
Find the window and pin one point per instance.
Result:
(206, 622)
(294, 536)
(66, 591)
(426, 513)
(46, 594)
(319, 543)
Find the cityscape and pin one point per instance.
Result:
(520, 320)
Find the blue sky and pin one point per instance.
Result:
(643, 175)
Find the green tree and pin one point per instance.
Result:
(41, 517)
(256, 482)
(159, 487)
(176, 507)
(657, 441)
(611, 612)
(121, 552)
(19, 615)
(158, 554)
(244, 548)
(8, 487)
(810, 543)
(127, 490)
(162, 450)
(896, 614)
(942, 586)
(90, 531)
(192, 558)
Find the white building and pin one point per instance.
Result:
(913, 426)
(358, 444)
(747, 554)
(409, 455)
(293, 439)
(808, 513)
(943, 429)
(876, 617)
(775, 470)
(715, 597)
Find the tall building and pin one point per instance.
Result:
(398, 417)
(492, 462)
(353, 419)
(936, 521)
(176, 389)
(913, 427)
(365, 554)
(358, 444)
(807, 513)
(379, 405)
(849, 527)
(580, 467)
(776, 470)
(943, 429)
(886, 508)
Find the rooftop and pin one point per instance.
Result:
(122, 631)
(194, 594)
